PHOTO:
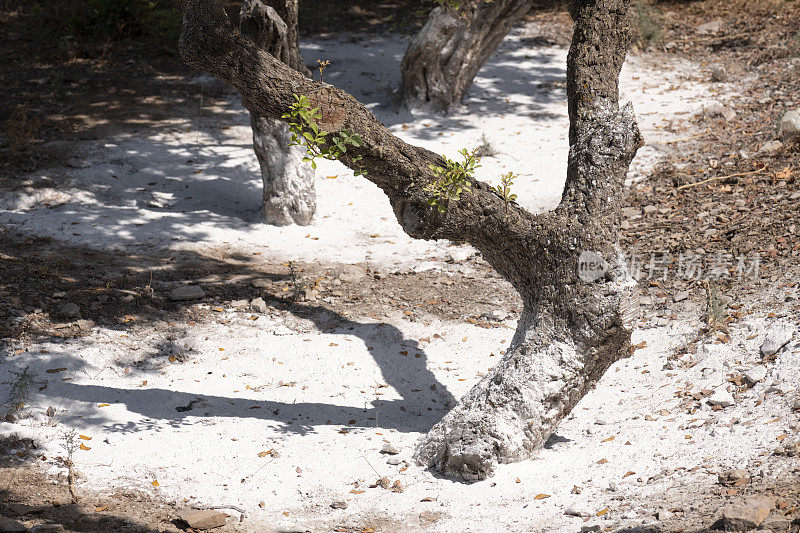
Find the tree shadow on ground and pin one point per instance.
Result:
(111, 289)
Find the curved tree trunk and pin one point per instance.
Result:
(289, 194)
(444, 57)
(564, 263)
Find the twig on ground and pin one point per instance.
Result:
(736, 175)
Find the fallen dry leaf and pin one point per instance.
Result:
(100, 509)
(84, 437)
(541, 496)
(84, 447)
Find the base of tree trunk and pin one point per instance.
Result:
(512, 412)
(289, 194)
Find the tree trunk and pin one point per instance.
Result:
(289, 194)
(444, 57)
(564, 263)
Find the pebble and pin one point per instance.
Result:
(74, 162)
(722, 398)
(349, 273)
(339, 505)
(775, 523)
(578, 510)
(8, 525)
(459, 255)
(777, 338)
(389, 449)
(771, 147)
(48, 528)
(394, 461)
(717, 110)
(746, 515)
(731, 477)
(258, 305)
(680, 296)
(187, 292)
(755, 374)
(663, 514)
(719, 74)
(790, 125)
(69, 310)
(282, 330)
(710, 27)
(239, 304)
(261, 283)
(205, 519)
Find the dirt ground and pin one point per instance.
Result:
(718, 192)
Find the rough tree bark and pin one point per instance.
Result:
(289, 194)
(444, 57)
(572, 327)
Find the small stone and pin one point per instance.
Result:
(311, 294)
(20, 509)
(790, 125)
(85, 325)
(8, 525)
(69, 310)
(796, 405)
(349, 273)
(591, 529)
(681, 296)
(187, 292)
(282, 330)
(777, 338)
(103, 298)
(710, 27)
(775, 523)
(261, 283)
(48, 528)
(791, 449)
(238, 304)
(389, 449)
(459, 255)
(771, 147)
(74, 162)
(721, 398)
(339, 505)
(258, 305)
(719, 74)
(746, 515)
(578, 510)
(650, 209)
(718, 110)
(755, 374)
(394, 461)
(733, 477)
(59, 294)
(206, 519)
(663, 514)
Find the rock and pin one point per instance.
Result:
(459, 255)
(579, 510)
(187, 292)
(311, 294)
(775, 523)
(258, 305)
(69, 310)
(710, 27)
(48, 528)
(349, 273)
(339, 505)
(791, 449)
(796, 405)
(20, 509)
(771, 147)
(650, 209)
(74, 162)
(721, 398)
(719, 74)
(11, 526)
(499, 315)
(282, 330)
(717, 110)
(790, 125)
(205, 519)
(681, 296)
(733, 477)
(261, 283)
(663, 514)
(746, 515)
(85, 325)
(777, 337)
(591, 529)
(394, 461)
(389, 449)
(238, 304)
(755, 374)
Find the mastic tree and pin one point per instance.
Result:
(574, 324)
(455, 42)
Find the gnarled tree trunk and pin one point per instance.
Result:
(564, 263)
(444, 57)
(289, 194)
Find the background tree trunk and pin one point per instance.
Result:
(444, 57)
(289, 194)
(573, 326)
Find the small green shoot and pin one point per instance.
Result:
(306, 131)
(451, 180)
(504, 189)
